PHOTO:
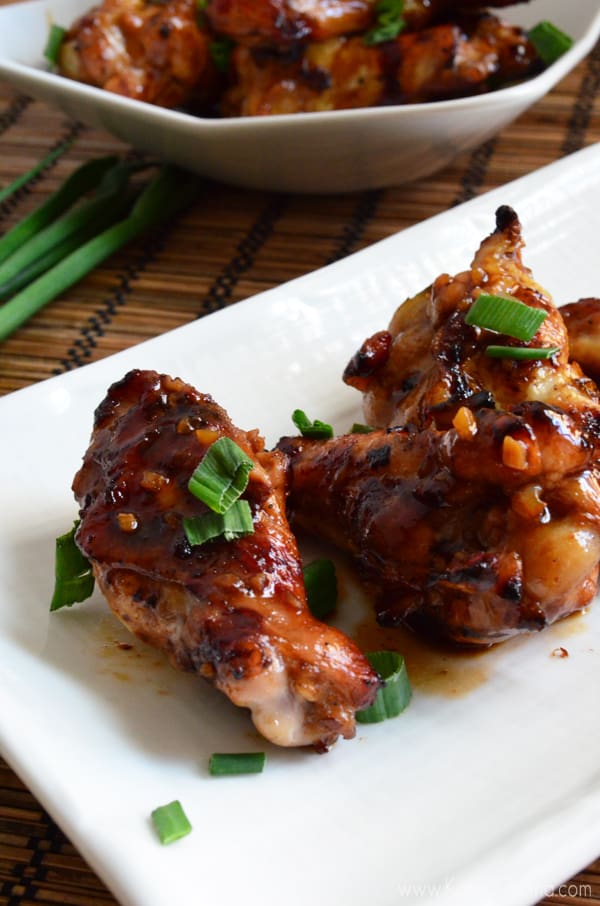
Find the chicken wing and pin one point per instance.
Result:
(141, 49)
(234, 612)
(428, 363)
(443, 61)
(475, 536)
(477, 514)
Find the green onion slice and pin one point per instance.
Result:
(318, 430)
(358, 428)
(235, 523)
(220, 52)
(549, 41)
(396, 692)
(521, 352)
(505, 315)
(74, 579)
(171, 822)
(201, 6)
(55, 39)
(221, 476)
(222, 764)
(389, 22)
(320, 582)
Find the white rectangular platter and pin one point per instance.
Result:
(485, 798)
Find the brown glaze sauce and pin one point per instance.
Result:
(574, 624)
(431, 667)
(128, 661)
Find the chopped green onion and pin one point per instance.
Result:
(389, 22)
(220, 52)
(168, 193)
(55, 39)
(358, 428)
(549, 41)
(171, 822)
(235, 523)
(74, 579)
(318, 430)
(521, 352)
(201, 6)
(45, 162)
(320, 582)
(222, 764)
(82, 180)
(382, 33)
(221, 476)
(505, 315)
(396, 692)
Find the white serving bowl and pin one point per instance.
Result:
(338, 151)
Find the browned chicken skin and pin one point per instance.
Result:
(242, 58)
(444, 61)
(153, 52)
(478, 515)
(449, 537)
(582, 320)
(234, 612)
(428, 363)
(281, 22)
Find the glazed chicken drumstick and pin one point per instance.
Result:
(234, 612)
(475, 515)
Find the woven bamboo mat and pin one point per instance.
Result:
(230, 245)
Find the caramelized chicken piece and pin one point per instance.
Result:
(478, 515)
(477, 533)
(150, 51)
(288, 56)
(444, 61)
(338, 74)
(234, 612)
(582, 320)
(429, 362)
(281, 22)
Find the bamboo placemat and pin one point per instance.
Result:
(229, 245)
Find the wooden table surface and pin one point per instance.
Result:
(229, 245)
